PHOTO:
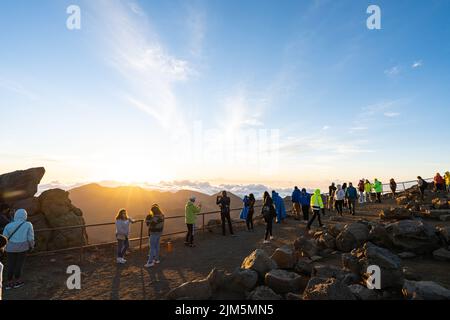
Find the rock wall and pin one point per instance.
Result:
(52, 209)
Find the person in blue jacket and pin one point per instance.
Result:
(296, 202)
(305, 202)
(244, 211)
(279, 206)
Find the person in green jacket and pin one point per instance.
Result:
(191, 211)
(317, 206)
(378, 187)
(368, 191)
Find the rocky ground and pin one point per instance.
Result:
(409, 244)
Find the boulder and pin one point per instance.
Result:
(379, 236)
(31, 205)
(440, 203)
(193, 290)
(41, 238)
(353, 236)
(306, 247)
(260, 262)
(242, 280)
(329, 271)
(19, 185)
(407, 255)
(217, 279)
(350, 262)
(284, 258)
(282, 281)
(336, 229)
(304, 266)
(402, 200)
(411, 275)
(435, 214)
(58, 210)
(441, 254)
(444, 233)
(326, 241)
(426, 290)
(395, 214)
(363, 293)
(327, 289)
(413, 235)
(445, 217)
(293, 296)
(263, 293)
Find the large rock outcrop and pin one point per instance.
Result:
(19, 185)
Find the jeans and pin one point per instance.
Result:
(305, 210)
(316, 213)
(368, 199)
(339, 205)
(15, 264)
(154, 247)
(122, 247)
(190, 234)
(361, 197)
(249, 220)
(226, 216)
(351, 206)
(379, 197)
(269, 223)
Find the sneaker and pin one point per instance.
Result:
(266, 241)
(18, 284)
(9, 286)
(157, 261)
(121, 260)
(271, 238)
(149, 265)
(192, 245)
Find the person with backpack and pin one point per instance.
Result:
(190, 213)
(269, 213)
(368, 191)
(223, 201)
(447, 181)
(317, 207)
(155, 224)
(378, 187)
(339, 199)
(423, 185)
(305, 202)
(3, 243)
(439, 182)
(251, 211)
(393, 186)
(279, 206)
(351, 195)
(123, 222)
(20, 236)
(296, 202)
(361, 191)
(331, 192)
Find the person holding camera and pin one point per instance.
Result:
(223, 201)
(20, 236)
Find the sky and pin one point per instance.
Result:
(200, 93)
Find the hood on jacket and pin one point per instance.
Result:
(20, 215)
(339, 187)
(317, 192)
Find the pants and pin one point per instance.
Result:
(249, 220)
(122, 247)
(439, 186)
(361, 197)
(351, 205)
(368, 198)
(226, 216)
(154, 247)
(269, 223)
(448, 187)
(15, 264)
(190, 234)
(305, 210)
(339, 205)
(379, 197)
(393, 192)
(330, 203)
(316, 213)
(422, 192)
(297, 209)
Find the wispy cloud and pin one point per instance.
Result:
(391, 114)
(417, 64)
(392, 71)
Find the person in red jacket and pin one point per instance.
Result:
(361, 191)
(438, 182)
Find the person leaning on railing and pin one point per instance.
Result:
(155, 224)
(123, 222)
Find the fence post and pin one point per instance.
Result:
(140, 238)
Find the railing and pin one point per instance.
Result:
(141, 237)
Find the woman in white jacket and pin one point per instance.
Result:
(20, 235)
(339, 196)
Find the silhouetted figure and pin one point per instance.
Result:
(224, 203)
(251, 211)
(317, 207)
(339, 199)
(351, 195)
(305, 201)
(393, 186)
(268, 212)
(422, 184)
(296, 202)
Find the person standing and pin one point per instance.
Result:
(331, 192)
(244, 212)
(279, 206)
(3, 243)
(339, 199)
(447, 181)
(368, 191)
(269, 213)
(123, 222)
(317, 207)
(378, 187)
(305, 202)
(393, 186)
(20, 236)
(190, 214)
(344, 187)
(251, 211)
(224, 203)
(296, 202)
(155, 224)
(361, 190)
(438, 182)
(351, 195)
(422, 184)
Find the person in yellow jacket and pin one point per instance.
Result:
(447, 181)
(191, 211)
(368, 190)
(378, 187)
(317, 206)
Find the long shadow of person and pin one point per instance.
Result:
(158, 283)
(115, 287)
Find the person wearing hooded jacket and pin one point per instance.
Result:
(279, 206)
(378, 187)
(296, 202)
(447, 181)
(268, 212)
(317, 206)
(361, 191)
(305, 202)
(339, 199)
(368, 191)
(190, 213)
(20, 236)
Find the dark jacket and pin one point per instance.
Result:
(224, 204)
(155, 223)
(351, 193)
(268, 210)
(305, 199)
(296, 196)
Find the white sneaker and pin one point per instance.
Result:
(149, 265)
(271, 238)
(121, 260)
(157, 261)
(266, 241)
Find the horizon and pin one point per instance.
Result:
(200, 93)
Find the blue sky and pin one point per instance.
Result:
(162, 90)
